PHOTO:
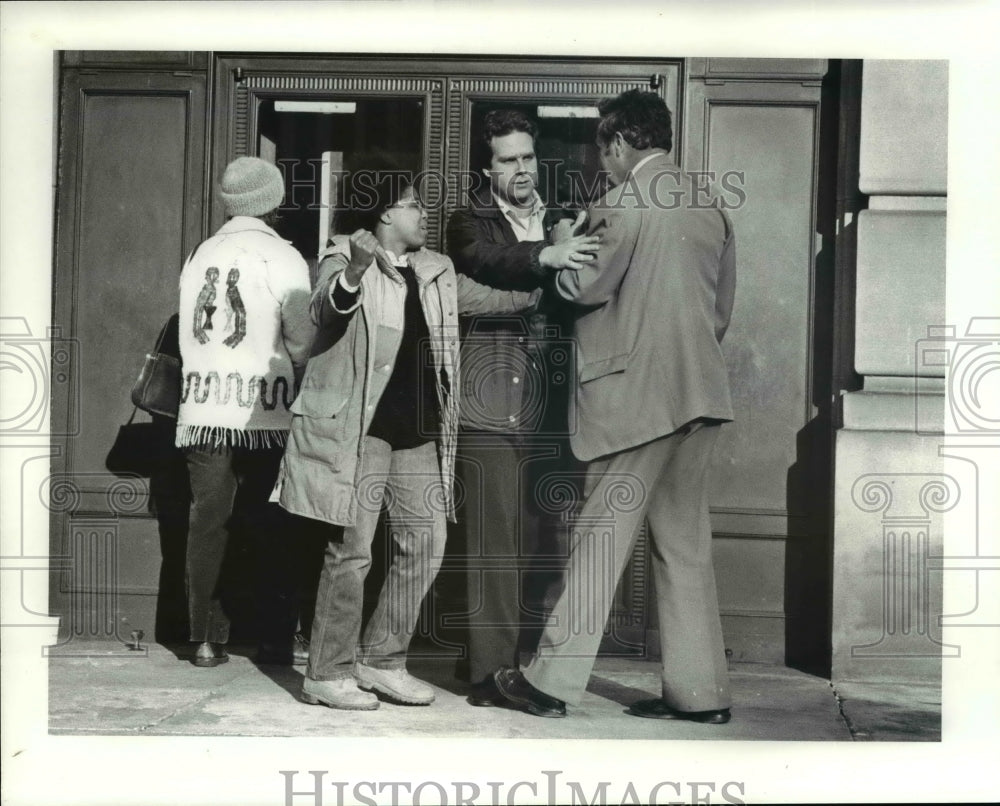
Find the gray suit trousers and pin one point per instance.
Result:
(665, 481)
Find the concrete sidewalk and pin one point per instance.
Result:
(103, 689)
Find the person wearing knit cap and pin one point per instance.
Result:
(245, 335)
(252, 187)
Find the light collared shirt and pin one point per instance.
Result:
(646, 159)
(526, 228)
(396, 260)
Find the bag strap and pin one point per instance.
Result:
(159, 340)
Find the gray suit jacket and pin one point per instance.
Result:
(654, 307)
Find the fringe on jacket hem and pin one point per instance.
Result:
(219, 436)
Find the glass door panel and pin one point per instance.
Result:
(314, 141)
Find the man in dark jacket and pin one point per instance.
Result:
(507, 238)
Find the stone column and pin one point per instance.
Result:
(886, 605)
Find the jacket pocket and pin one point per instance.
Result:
(593, 370)
(313, 402)
(315, 448)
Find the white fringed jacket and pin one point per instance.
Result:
(244, 327)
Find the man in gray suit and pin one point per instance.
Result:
(652, 391)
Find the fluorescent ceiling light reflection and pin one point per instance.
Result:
(568, 112)
(317, 107)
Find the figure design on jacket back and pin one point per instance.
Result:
(235, 310)
(204, 306)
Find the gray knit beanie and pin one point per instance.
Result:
(251, 186)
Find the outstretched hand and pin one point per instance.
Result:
(570, 250)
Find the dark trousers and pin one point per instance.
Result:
(230, 480)
(513, 555)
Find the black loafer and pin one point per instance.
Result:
(514, 688)
(210, 654)
(658, 709)
(485, 695)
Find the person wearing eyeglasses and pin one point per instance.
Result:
(375, 425)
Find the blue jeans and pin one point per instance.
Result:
(408, 481)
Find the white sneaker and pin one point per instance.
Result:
(397, 684)
(342, 693)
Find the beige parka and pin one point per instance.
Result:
(351, 361)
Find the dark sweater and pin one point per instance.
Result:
(408, 414)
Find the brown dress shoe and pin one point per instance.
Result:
(658, 709)
(210, 654)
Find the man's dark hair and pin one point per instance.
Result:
(500, 122)
(642, 118)
(368, 190)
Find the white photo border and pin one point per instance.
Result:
(44, 769)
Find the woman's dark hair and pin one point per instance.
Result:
(375, 183)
